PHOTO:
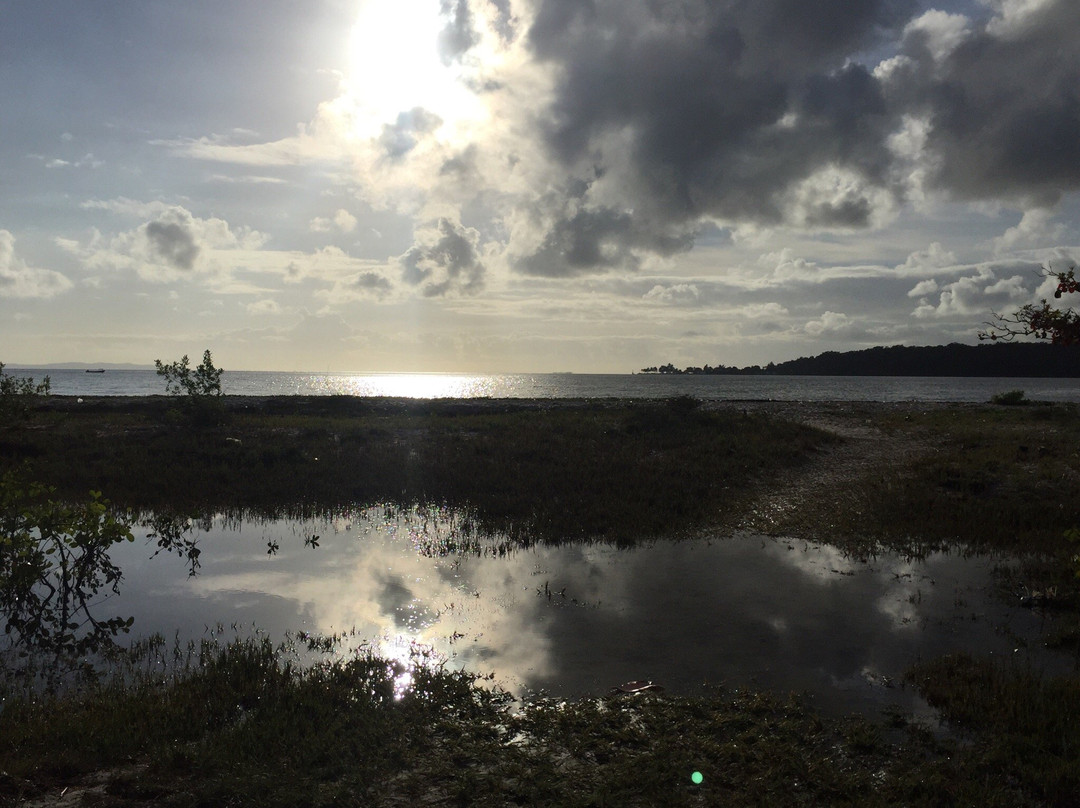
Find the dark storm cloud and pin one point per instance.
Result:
(724, 106)
(505, 23)
(401, 137)
(759, 111)
(852, 211)
(172, 243)
(447, 262)
(1004, 106)
(372, 283)
(596, 239)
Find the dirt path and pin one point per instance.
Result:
(829, 483)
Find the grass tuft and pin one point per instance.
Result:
(244, 724)
(619, 472)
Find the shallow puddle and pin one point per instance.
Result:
(580, 619)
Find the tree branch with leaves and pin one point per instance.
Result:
(1059, 326)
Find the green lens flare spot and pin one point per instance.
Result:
(696, 778)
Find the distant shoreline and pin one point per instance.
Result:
(989, 361)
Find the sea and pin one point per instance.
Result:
(570, 385)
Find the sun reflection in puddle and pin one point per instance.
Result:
(402, 653)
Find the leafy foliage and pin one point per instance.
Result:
(1059, 326)
(199, 388)
(1013, 398)
(180, 379)
(17, 395)
(54, 560)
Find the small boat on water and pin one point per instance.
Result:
(95, 370)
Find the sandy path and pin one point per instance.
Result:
(806, 495)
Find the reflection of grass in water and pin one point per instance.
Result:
(614, 471)
(243, 723)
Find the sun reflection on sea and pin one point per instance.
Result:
(406, 385)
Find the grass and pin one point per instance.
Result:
(996, 480)
(1024, 728)
(252, 723)
(244, 724)
(620, 472)
(983, 479)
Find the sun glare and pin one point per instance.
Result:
(395, 65)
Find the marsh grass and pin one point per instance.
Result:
(244, 723)
(1024, 728)
(987, 480)
(257, 723)
(620, 472)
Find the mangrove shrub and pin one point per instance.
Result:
(18, 395)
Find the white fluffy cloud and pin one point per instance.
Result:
(937, 31)
(19, 280)
(444, 260)
(924, 288)
(975, 295)
(173, 245)
(677, 294)
(829, 323)
(1036, 226)
(342, 221)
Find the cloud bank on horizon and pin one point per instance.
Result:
(529, 184)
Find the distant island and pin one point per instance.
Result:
(94, 366)
(1018, 360)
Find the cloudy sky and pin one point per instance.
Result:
(527, 185)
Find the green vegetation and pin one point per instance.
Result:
(1012, 398)
(1024, 728)
(614, 471)
(246, 724)
(980, 478)
(1001, 358)
(19, 396)
(54, 562)
(251, 723)
(996, 480)
(180, 380)
(198, 391)
(1058, 326)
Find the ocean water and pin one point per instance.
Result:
(570, 385)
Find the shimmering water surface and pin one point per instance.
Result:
(571, 385)
(577, 620)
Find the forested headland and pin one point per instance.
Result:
(1017, 360)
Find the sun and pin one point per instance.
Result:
(395, 65)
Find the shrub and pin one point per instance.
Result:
(1012, 398)
(18, 395)
(202, 382)
(199, 388)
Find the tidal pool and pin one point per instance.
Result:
(577, 620)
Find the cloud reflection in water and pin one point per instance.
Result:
(578, 619)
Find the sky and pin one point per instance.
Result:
(528, 185)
